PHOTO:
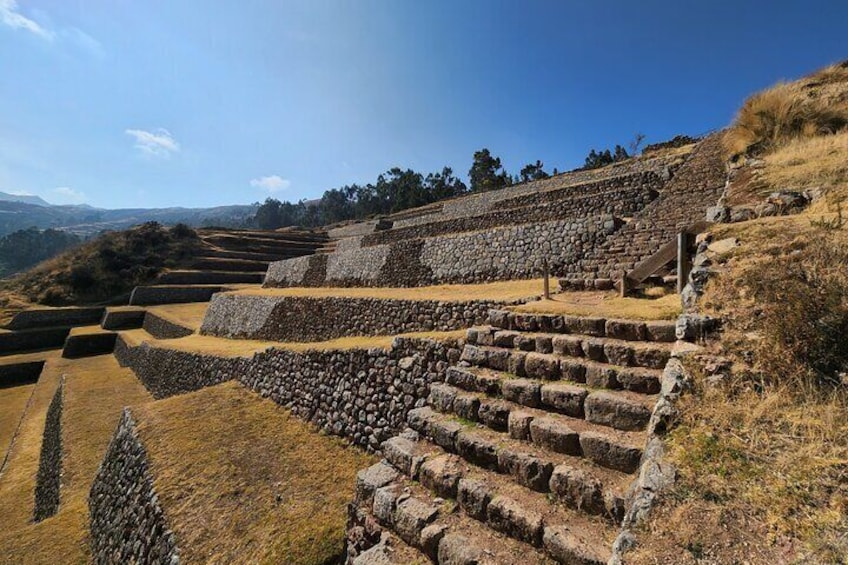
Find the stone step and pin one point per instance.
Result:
(210, 277)
(466, 515)
(529, 466)
(173, 294)
(631, 330)
(565, 433)
(233, 265)
(620, 352)
(548, 367)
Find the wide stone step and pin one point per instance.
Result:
(176, 294)
(232, 265)
(528, 465)
(634, 330)
(210, 277)
(568, 434)
(548, 367)
(603, 349)
(491, 523)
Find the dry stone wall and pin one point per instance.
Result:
(363, 395)
(126, 521)
(162, 328)
(48, 478)
(506, 252)
(47, 317)
(302, 318)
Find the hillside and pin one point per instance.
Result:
(85, 221)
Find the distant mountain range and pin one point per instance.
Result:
(24, 211)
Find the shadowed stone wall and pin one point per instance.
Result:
(300, 318)
(127, 524)
(48, 479)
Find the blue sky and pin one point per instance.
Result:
(121, 103)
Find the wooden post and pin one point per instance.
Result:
(684, 264)
(623, 285)
(547, 282)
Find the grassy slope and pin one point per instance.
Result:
(96, 391)
(606, 304)
(103, 268)
(242, 481)
(762, 455)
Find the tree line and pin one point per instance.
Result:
(24, 248)
(393, 191)
(400, 189)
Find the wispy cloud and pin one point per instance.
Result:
(273, 183)
(155, 143)
(11, 16)
(67, 195)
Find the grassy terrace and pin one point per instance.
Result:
(606, 305)
(242, 481)
(222, 347)
(96, 390)
(503, 291)
(187, 315)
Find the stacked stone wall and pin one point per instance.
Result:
(303, 318)
(162, 328)
(362, 395)
(148, 295)
(15, 374)
(127, 523)
(64, 317)
(29, 340)
(48, 478)
(620, 196)
(85, 345)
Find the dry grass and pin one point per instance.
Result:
(28, 357)
(185, 315)
(606, 305)
(222, 347)
(500, 291)
(762, 456)
(13, 401)
(89, 330)
(810, 107)
(243, 481)
(96, 390)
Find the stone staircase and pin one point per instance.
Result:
(696, 186)
(526, 452)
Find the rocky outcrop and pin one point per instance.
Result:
(48, 479)
(126, 521)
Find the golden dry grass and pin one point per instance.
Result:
(810, 107)
(502, 291)
(222, 347)
(762, 456)
(185, 315)
(89, 330)
(606, 305)
(13, 401)
(243, 481)
(96, 390)
(28, 357)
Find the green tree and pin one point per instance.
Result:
(533, 171)
(486, 172)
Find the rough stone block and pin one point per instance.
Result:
(519, 424)
(442, 397)
(578, 489)
(370, 479)
(544, 344)
(527, 469)
(477, 450)
(610, 409)
(412, 516)
(608, 453)
(619, 354)
(661, 331)
(571, 345)
(456, 549)
(539, 366)
(585, 325)
(474, 497)
(441, 474)
(522, 391)
(631, 330)
(466, 405)
(555, 435)
(565, 547)
(565, 398)
(573, 370)
(511, 518)
(495, 414)
(602, 376)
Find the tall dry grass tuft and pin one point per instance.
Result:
(816, 105)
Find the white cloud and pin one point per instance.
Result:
(11, 17)
(274, 183)
(19, 193)
(156, 143)
(67, 195)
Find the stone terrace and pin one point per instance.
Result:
(500, 235)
